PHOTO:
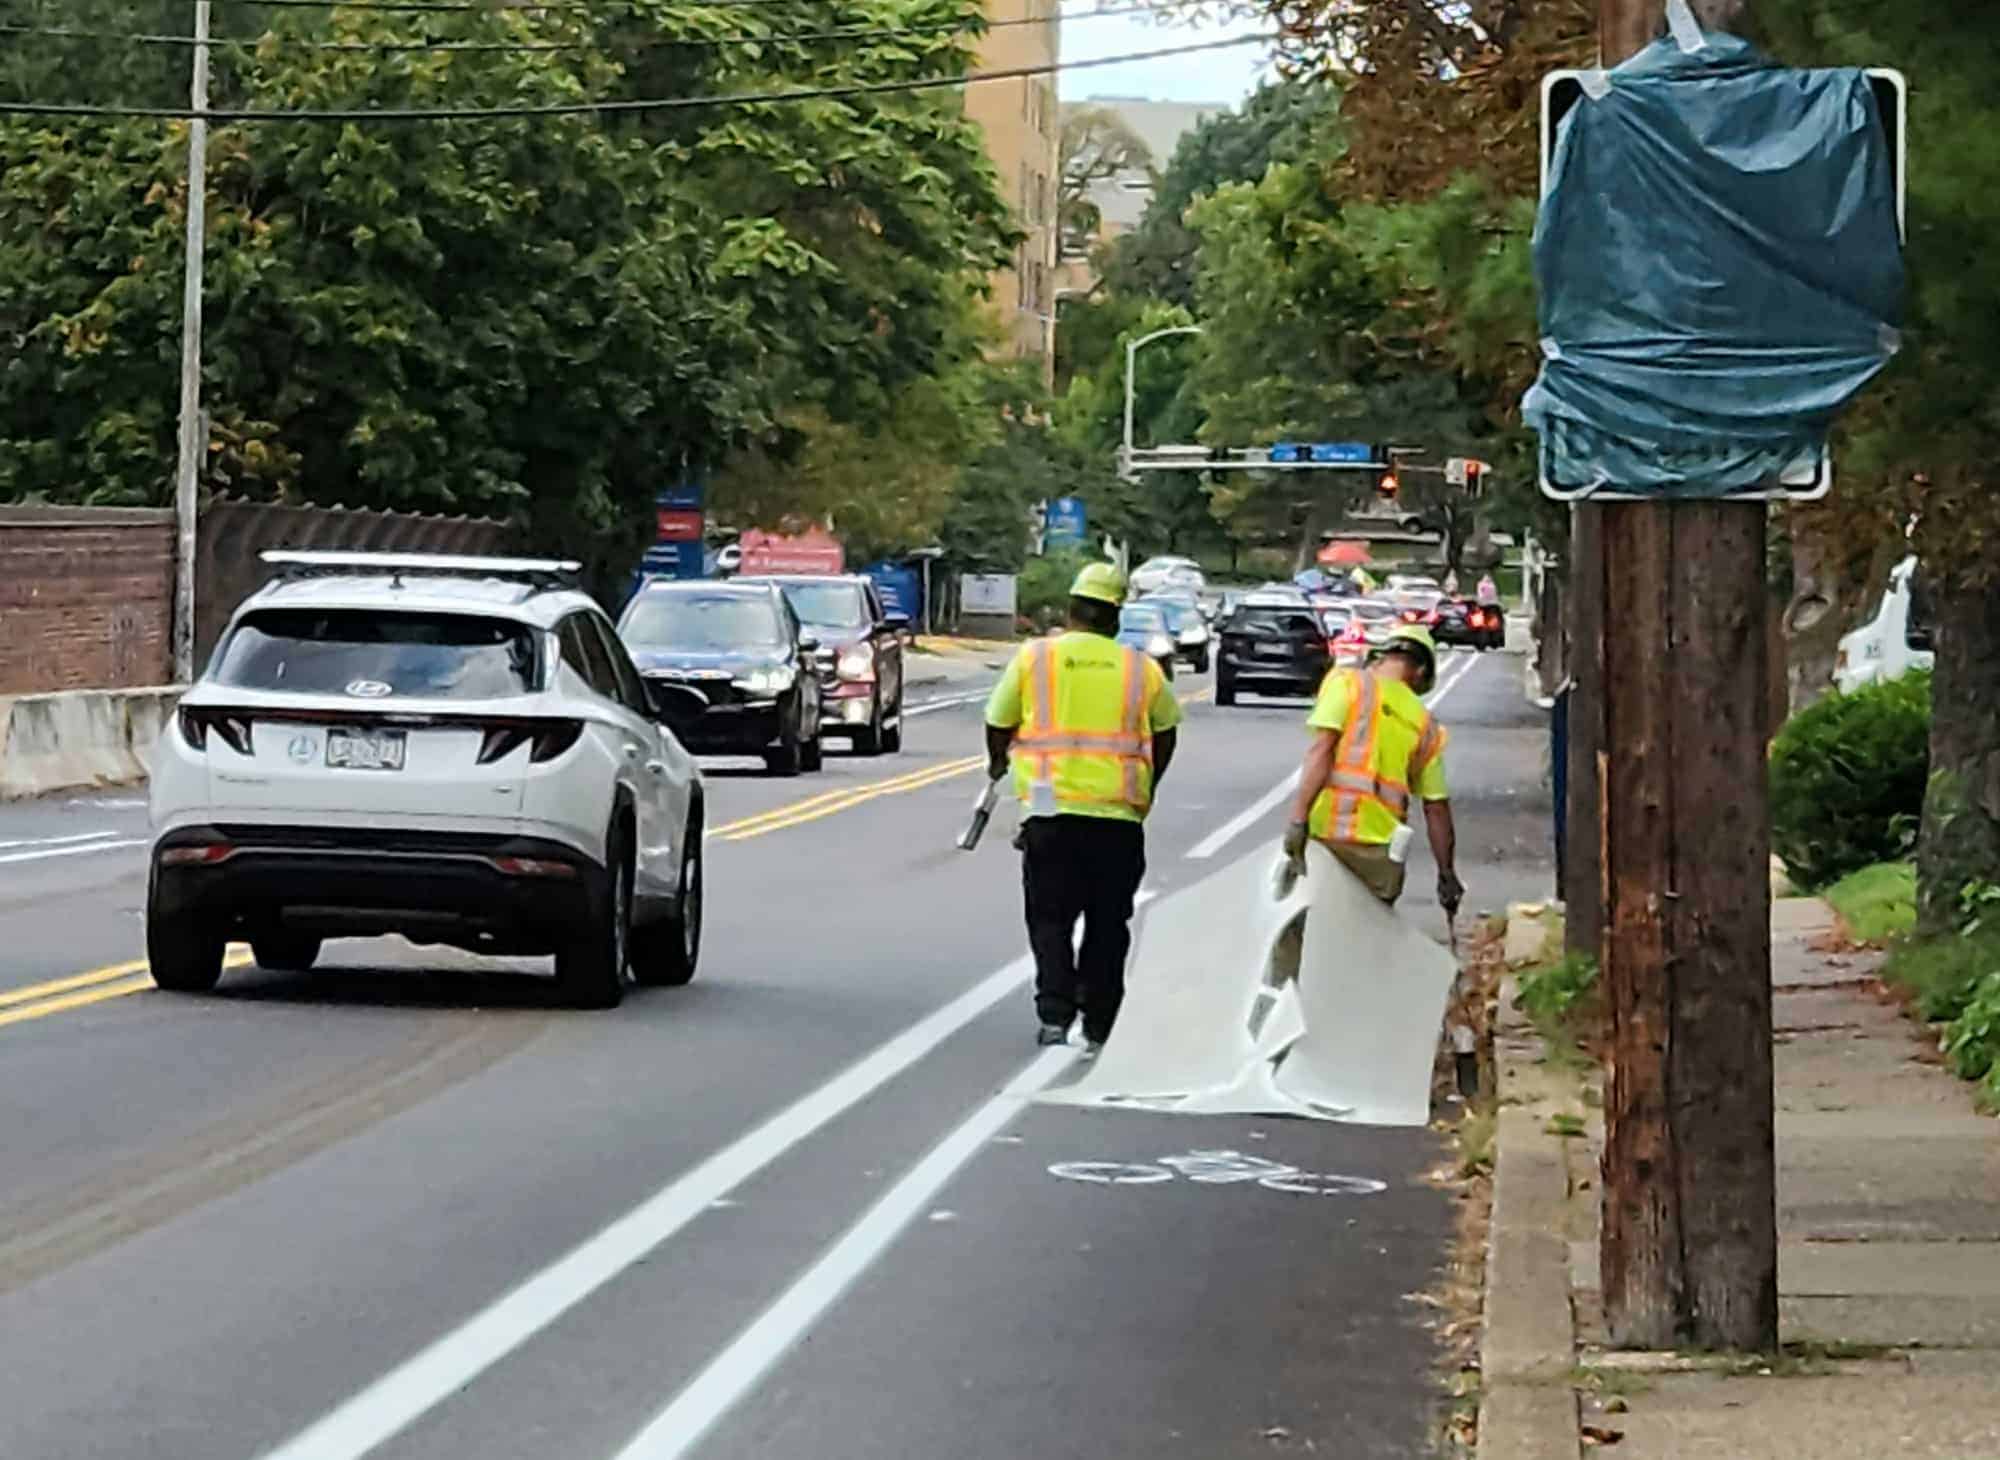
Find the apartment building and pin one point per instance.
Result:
(1122, 201)
(1022, 123)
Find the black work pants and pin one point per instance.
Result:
(1085, 867)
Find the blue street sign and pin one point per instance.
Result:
(685, 496)
(1322, 453)
(672, 560)
(1067, 522)
(1343, 453)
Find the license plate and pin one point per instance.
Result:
(1275, 651)
(382, 750)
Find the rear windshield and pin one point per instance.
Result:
(703, 621)
(828, 605)
(1141, 619)
(1373, 611)
(376, 655)
(1275, 621)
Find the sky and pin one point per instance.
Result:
(1221, 76)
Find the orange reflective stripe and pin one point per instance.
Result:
(1428, 746)
(1355, 758)
(1042, 674)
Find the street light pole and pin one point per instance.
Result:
(1131, 360)
(193, 438)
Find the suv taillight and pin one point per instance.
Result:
(548, 738)
(231, 727)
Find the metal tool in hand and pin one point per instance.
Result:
(982, 812)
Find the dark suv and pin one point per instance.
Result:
(860, 656)
(730, 669)
(1271, 644)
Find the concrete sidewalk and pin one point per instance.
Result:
(1889, 1260)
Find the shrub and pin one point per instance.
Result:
(1848, 777)
(1972, 1040)
(1042, 592)
(1551, 995)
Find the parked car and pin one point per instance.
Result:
(1189, 628)
(860, 657)
(730, 668)
(456, 750)
(1464, 621)
(1883, 648)
(1143, 626)
(1272, 644)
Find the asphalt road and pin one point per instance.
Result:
(407, 1206)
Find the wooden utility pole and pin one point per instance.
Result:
(194, 436)
(1689, 1236)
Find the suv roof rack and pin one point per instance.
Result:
(536, 572)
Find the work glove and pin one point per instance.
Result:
(1295, 849)
(1451, 892)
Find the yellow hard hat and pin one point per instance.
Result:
(1101, 581)
(1413, 638)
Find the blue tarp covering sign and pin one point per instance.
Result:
(1720, 267)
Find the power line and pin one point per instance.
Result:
(614, 108)
(658, 43)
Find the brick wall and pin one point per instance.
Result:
(86, 598)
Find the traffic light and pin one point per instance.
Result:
(1475, 477)
(1389, 488)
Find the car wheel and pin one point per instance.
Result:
(812, 754)
(1201, 662)
(868, 739)
(787, 758)
(1225, 689)
(664, 955)
(590, 971)
(285, 952)
(184, 953)
(892, 735)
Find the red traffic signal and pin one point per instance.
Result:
(1389, 487)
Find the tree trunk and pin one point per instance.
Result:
(1832, 592)
(1960, 841)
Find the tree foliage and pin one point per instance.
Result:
(543, 317)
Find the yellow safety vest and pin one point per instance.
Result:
(1361, 801)
(1085, 729)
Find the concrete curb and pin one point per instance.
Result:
(1528, 1408)
(78, 739)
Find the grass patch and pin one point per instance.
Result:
(1563, 1001)
(1566, 1126)
(1877, 903)
(1475, 1142)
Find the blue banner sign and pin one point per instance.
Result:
(1067, 522)
(1323, 453)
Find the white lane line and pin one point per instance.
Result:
(77, 851)
(448, 1364)
(1216, 840)
(931, 707)
(734, 1372)
(55, 841)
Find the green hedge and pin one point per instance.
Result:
(1847, 780)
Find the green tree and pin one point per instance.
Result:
(1284, 121)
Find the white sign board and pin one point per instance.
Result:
(986, 593)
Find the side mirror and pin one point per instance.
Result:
(808, 644)
(896, 623)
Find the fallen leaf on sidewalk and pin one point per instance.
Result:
(1599, 1435)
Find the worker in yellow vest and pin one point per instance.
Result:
(1087, 726)
(1374, 746)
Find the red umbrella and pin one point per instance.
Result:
(1343, 554)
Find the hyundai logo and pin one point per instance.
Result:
(369, 689)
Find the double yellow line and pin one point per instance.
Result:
(831, 802)
(80, 990)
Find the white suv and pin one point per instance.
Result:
(457, 750)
